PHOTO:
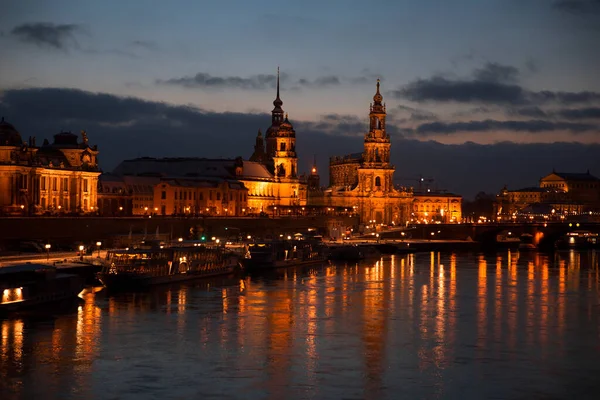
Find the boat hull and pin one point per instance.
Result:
(127, 281)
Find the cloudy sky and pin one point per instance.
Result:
(480, 93)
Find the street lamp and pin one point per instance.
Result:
(47, 246)
(98, 244)
(81, 248)
(180, 240)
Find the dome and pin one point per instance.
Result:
(65, 139)
(9, 136)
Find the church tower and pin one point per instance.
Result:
(259, 154)
(376, 174)
(281, 141)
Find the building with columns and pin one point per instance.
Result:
(364, 182)
(57, 177)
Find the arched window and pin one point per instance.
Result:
(378, 181)
(282, 147)
(378, 123)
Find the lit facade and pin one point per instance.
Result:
(364, 182)
(436, 207)
(58, 177)
(266, 183)
(559, 193)
(205, 197)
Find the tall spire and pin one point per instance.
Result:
(378, 97)
(277, 102)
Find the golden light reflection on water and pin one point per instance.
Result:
(415, 310)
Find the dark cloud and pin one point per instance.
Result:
(578, 6)
(494, 72)
(532, 126)
(47, 34)
(444, 90)
(491, 84)
(531, 112)
(322, 81)
(579, 113)
(204, 80)
(547, 96)
(130, 127)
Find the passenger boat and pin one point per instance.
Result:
(579, 239)
(131, 269)
(284, 253)
(30, 285)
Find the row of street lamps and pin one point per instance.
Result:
(48, 246)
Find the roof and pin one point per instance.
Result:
(191, 168)
(15, 269)
(9, 136)
(530, 189)
(574, 176)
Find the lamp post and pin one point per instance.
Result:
(98, 245)
(47, 246)
(81, 248)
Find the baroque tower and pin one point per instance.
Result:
(376, 174)
(281, 141)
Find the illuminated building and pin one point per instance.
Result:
(558, 193)
(267, 182)
(57, 177)
(364, 182)
(431, 206)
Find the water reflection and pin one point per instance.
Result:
(423, 325)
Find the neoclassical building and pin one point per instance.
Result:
(57, 177)
(364, 182)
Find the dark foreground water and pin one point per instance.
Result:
(424, 326)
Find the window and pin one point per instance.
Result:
(230, 196)
(85, 186)
(210, 195)
(54, 184)
(163, 195)
(185, 195)
(218, 196)
(43, 182)
(282, 147)
(176, 195)
(65, 184)
(377, 181)
(201, 196)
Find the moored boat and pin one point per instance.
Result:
(284, 253)
(579, 240)
(132, 269)
(26, 286)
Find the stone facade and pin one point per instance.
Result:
(268, 182)
(364, 182)
(433, 207)
(59, 177)
(559, 193)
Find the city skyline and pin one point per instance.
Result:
(467, 104)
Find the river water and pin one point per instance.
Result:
(422, 326)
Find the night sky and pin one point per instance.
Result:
(479, 93)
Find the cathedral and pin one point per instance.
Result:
(270, 180)
(364, 182)
(54, 178)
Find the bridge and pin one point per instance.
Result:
(544, 234)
